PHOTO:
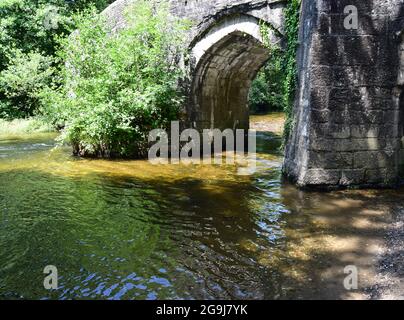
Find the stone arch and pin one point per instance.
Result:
(226, 59)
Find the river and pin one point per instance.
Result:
(133, 230)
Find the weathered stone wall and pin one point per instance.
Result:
(401, 103)
(347, 114)
(204, 14)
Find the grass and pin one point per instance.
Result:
(24, 126)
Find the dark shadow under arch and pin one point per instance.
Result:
(222, 81)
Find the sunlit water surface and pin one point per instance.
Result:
(132, 230)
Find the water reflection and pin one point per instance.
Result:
(131, 230)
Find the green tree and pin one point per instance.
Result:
(22, 82)
(275, 85)
(266, 92)
(118, 87)
(28, 39)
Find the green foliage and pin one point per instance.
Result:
(119, 86)
(292, 21)
(29, 29)
(275, 85)
(266, 90)
(23, 126)
(21, 83)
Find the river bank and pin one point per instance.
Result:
(270, 123)
(390, 277)
(24, 126)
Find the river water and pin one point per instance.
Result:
(132, 230)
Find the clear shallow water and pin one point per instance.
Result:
(131, 230)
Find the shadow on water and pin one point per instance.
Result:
(130, 230)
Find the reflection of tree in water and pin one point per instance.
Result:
(125, 237)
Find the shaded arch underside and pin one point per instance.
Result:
(222, 81)
(228, 57)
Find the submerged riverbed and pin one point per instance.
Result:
(132, 230)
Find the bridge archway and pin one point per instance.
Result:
(227, 58)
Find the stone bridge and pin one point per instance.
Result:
(349, 108)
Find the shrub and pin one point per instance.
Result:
(266, 92)
(28, 30)
(289, 64)
(118, 87)
(275, 86)
(21, 83)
